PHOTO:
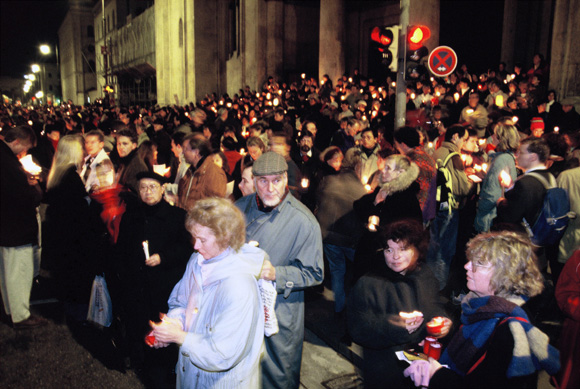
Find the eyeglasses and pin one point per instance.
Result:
(152, 188)
(391, 251)
(477, 264)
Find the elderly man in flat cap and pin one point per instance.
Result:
(147, 275)
(290, 234)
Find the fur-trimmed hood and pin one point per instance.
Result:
(403, 181)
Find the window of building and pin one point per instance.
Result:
(90, 31)
(233, 26)
(50, 88)
(49, 75)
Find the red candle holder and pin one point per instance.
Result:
(427, 343)
(435, 326)
(435, 350)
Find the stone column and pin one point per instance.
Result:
(331, 39)
(508, 38)
(565, 60)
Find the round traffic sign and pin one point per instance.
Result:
(442, 61)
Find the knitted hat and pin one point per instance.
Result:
(269, 163)
(537, 123)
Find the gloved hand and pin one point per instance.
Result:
(418, 372)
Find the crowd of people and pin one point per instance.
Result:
(312, 174)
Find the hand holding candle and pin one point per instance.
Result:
(146, 249)
(505, 180)
(439, 326)
(413, 320)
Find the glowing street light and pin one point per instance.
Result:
(35, 68)
(31, 77)
(45, 49)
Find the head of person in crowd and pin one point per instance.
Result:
(568, 104)
(309, 126)
(94, 142)
(246, 184)
(270, 178)
(215, 225)
(395, 166)
(473, 99)
(537, 127)
(512, 103)
(148, 153)
(255, 146)
(305, 142)
(177, 143)
(502, 264)
(19, 139)
(353, 126)
(256, 130)
(279, 144)
(52, 132)
(332, 156)
(557, 144)
(471, 145)
(69, 153)
(195, 148)
(533, 153)
(508, 137)
(352, 160)
(406, 138)
(369, 138)
(405, 245)
(151, 187)
(220, 159)
(126, 142)
(551, 96)
(456, 134)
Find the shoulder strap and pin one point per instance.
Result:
(449, 156)
(539, 177)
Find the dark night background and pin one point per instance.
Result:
(471, 28)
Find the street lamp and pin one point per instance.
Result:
(35, 68)
(45, 49)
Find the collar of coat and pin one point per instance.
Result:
(403, 181)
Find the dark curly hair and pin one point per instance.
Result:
(411, 232)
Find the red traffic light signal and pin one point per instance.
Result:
(417, 35)
(382, 36)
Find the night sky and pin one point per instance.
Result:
(24, 26)
(465, 25)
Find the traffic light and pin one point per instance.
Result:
(416, 37)
(387, 42)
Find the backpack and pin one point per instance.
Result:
(554, 215)
(445, 197)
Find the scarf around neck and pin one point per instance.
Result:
(480, 317)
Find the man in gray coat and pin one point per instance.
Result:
(290, 234)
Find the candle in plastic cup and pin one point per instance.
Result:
(435, 350)
(505, 179)
(150, 339)
(435, 326)
(304, 183)
(427, 343)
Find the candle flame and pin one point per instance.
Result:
(29, 165)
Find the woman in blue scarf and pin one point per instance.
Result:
(496, 346)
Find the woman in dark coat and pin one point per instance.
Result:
(147, 282)
(70, 237)
(399, 283)
(395, 198)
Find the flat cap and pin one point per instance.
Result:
(269, 163)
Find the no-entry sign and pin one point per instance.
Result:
(442, 61)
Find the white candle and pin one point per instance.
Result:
(146, 249)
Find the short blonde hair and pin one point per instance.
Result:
(508, 137)
(222, 218)
(512, 258)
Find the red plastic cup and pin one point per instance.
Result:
(150, 339)
(435, 350)
(427, 343)
(435, 326)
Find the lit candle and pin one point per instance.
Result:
(368, 188)
(257, 95)
(254, 243)
(435, 326)
(350, 79)
(304, 183)
(29, 165)
(515, 119)
(364, 118)
(393, 84)
(481, 142)
(556, 129)
(303, 76)
(456, 97)
(229, 105)
(499, 100)
(162, 170)
(146, 249)
(430, 145)
(463, 157)
(470, 111)
(276, 102)
(484, 167)
(413, 96)
(364, 179)
(242, 152)
(505, 179)
(268, 96)
(477, 168)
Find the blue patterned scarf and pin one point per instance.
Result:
(479, 319)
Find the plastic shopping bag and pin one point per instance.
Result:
(100, 307)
